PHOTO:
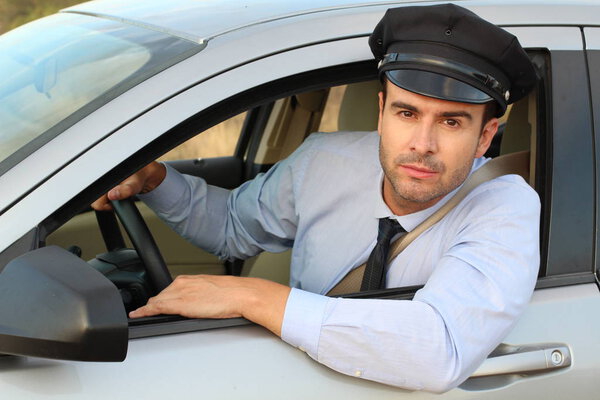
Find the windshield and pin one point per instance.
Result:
(57, 70)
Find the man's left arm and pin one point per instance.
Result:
(433, 342)
(211, 296)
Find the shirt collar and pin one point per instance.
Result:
(411, 221)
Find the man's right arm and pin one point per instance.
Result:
(257, 216)
(191, 208)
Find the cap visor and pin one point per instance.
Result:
(437, 86)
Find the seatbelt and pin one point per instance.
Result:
(514, 163)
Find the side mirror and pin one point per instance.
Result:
(54, 305)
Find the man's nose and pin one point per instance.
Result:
(423, 139)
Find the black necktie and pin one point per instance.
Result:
(374, 277)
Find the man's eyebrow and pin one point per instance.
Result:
(399, 104)
(447, 114)
(454, 114)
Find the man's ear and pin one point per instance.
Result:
(381, 105)
(485, 139)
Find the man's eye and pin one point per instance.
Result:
(406, 114)
(452, 122)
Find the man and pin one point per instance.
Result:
(447, 74)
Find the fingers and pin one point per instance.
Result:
(199, 296)
(156, 307)
(120, 192)
(129, 187)
(145, 180)
(169, 301)
(102, 204)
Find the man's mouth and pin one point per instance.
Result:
(417, 171)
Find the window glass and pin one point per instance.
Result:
(218, 141)
(57, 70)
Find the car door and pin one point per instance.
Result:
(225, 359)
(567, 289)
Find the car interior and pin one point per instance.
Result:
(284, 124)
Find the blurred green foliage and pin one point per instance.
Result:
(17, 12)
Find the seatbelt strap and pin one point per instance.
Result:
(514, 163)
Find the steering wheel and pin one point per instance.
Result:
(143, 242)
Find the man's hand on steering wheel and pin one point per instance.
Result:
(143, 181)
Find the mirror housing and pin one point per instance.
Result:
(54, 305)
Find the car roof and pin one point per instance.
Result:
(201, 20)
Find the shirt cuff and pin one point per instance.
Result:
(163, 197)
(302, 320)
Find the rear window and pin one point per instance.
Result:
(57, 70)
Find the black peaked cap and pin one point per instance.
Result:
(445, 51)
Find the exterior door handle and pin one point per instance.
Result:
(524, 360)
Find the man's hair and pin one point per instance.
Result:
(490, 111)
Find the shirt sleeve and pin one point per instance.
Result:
(192, 208)
(258, 216)
(469, 304)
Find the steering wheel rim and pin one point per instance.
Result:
(143, 242)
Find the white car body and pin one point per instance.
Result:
(245, 46)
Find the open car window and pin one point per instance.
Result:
(270, 132)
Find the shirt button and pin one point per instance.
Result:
(358, 373)
(302, 349)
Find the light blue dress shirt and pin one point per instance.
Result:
(479, 264)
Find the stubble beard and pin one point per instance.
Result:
(415, 191)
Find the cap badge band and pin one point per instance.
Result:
(399, 59)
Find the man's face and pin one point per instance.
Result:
(427, 146)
